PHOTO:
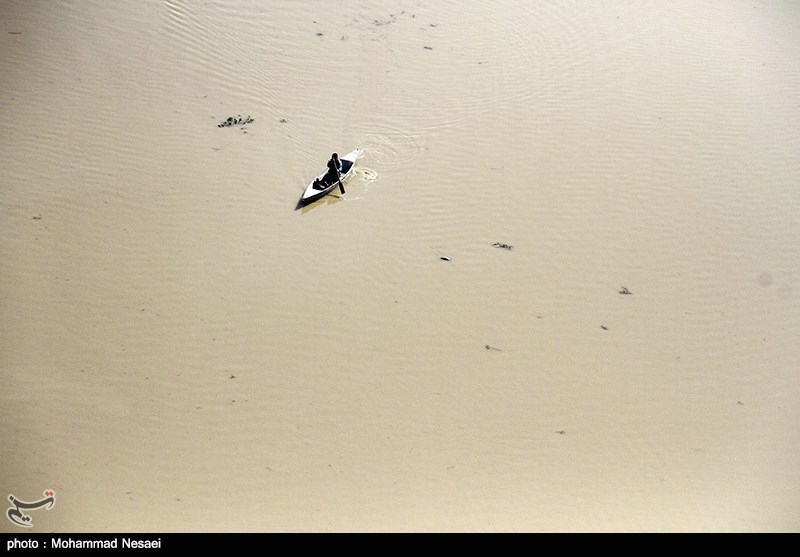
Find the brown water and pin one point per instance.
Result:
(182, 349)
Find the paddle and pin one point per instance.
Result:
(341, 187)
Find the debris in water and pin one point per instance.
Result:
(624, 290)
(231, 121)
(504, 246)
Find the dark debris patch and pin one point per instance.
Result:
(231, 121)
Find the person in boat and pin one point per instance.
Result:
(334, 169)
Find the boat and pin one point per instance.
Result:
(322, 186)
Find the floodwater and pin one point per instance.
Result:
(448, 346)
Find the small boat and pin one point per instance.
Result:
(322, 185)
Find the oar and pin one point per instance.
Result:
(341, 187)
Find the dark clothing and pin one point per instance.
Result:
(334, 169)
(334, 166)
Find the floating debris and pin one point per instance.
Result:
(231, 121)
(503, 246)
(624, 290)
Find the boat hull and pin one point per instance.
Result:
(319, 188)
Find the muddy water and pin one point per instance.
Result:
(183, 349)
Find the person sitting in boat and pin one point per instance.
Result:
(334, 169)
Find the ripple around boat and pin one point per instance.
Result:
(231, 121)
